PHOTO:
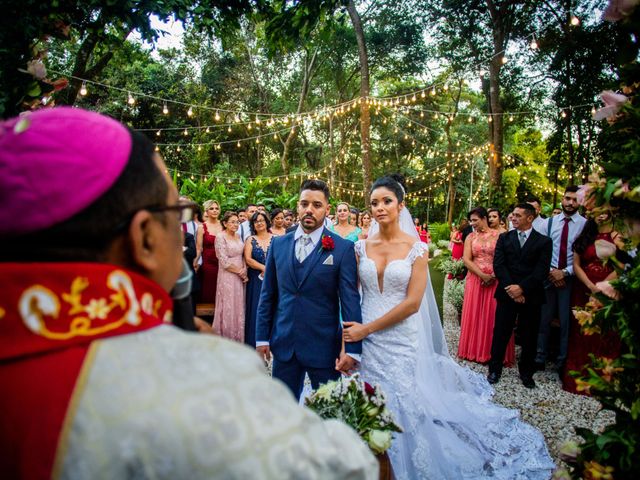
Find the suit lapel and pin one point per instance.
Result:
(290, 258)
(313, 258)
(515, 240)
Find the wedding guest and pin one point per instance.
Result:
(343, 227)
(206, 250)
(457, 244)
(242, 215)
(597, 241)
(245, 228)
(479, 306)
(262, 208)
(563, 230)
(228, 320)
(288, 219)
(354, 217)
(190, 226)
(466, 231)
(520, 263)
(137, 381)
(365, 224)
(494, 220)
(556, 211)
(425, 236)
(539, 223)
(255, 256)
(277, 222)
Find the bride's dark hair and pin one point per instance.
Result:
(393, 182)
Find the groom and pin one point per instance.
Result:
(310, 277)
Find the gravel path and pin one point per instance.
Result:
(547, 407)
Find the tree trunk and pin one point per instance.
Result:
(447, 131)
(365, 116)
(497, 137)
(308, 73)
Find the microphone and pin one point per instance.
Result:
(181, 295)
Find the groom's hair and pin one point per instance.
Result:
(317, 185)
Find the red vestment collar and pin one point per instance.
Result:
(51, 306)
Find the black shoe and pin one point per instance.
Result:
(528, 382)
(539, 366)
(493, 378)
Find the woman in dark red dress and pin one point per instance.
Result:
(595, 243)
(206, 247)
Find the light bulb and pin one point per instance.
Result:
(533, 44)
(504, 59)
(131, 100)
(158, 133)
(190, 112)
(83, 89)
(165, 110)
(217, 116)
(575, 21)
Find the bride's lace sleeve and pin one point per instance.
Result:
(419, 249)
(359, 247)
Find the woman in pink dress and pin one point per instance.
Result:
(479, 307)
(228, 320)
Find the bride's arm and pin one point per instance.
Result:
(354, 332)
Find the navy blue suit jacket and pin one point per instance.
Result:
(304, 318)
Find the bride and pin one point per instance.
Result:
(451, 428)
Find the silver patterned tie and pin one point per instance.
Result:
(302, 247)
(523, 238)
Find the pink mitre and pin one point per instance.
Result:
(54, 163)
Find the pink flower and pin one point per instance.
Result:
(619, 9)
(604, 249)
(606, 288)
(586, 196)
(612, 104)
(37, 69)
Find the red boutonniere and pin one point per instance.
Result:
(327, 243)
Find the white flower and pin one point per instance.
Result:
(324, 391)
(379, 441)
(604, 249)
(437, 252)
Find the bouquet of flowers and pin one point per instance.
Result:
(360, 406)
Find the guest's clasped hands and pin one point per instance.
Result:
(515, 292)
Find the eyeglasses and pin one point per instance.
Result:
(186, 212)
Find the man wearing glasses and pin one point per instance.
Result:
(96, 384)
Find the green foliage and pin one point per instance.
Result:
(454, 293)
(439, 232)
(615, 382)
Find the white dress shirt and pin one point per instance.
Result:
(576, 224)
(245, 230)
(540, 225)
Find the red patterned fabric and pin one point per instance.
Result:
(49, 315)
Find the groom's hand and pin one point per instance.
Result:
(345, 364)
(265, 352)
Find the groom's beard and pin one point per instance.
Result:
(307, 226)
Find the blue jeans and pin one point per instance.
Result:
(558, 303)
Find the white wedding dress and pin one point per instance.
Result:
(451, 428)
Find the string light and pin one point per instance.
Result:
(504, 59)
(131, 100)
(165, 109)
(575, 21)
(534, 44)
(190, 112)
(83, 89)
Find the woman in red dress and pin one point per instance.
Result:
(456, 243)
(206, 247)
(597, 237)
(479, 306)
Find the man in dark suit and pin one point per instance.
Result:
(521, 265)
(310, 279)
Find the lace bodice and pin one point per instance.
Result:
(483, 246)
(379, 299)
